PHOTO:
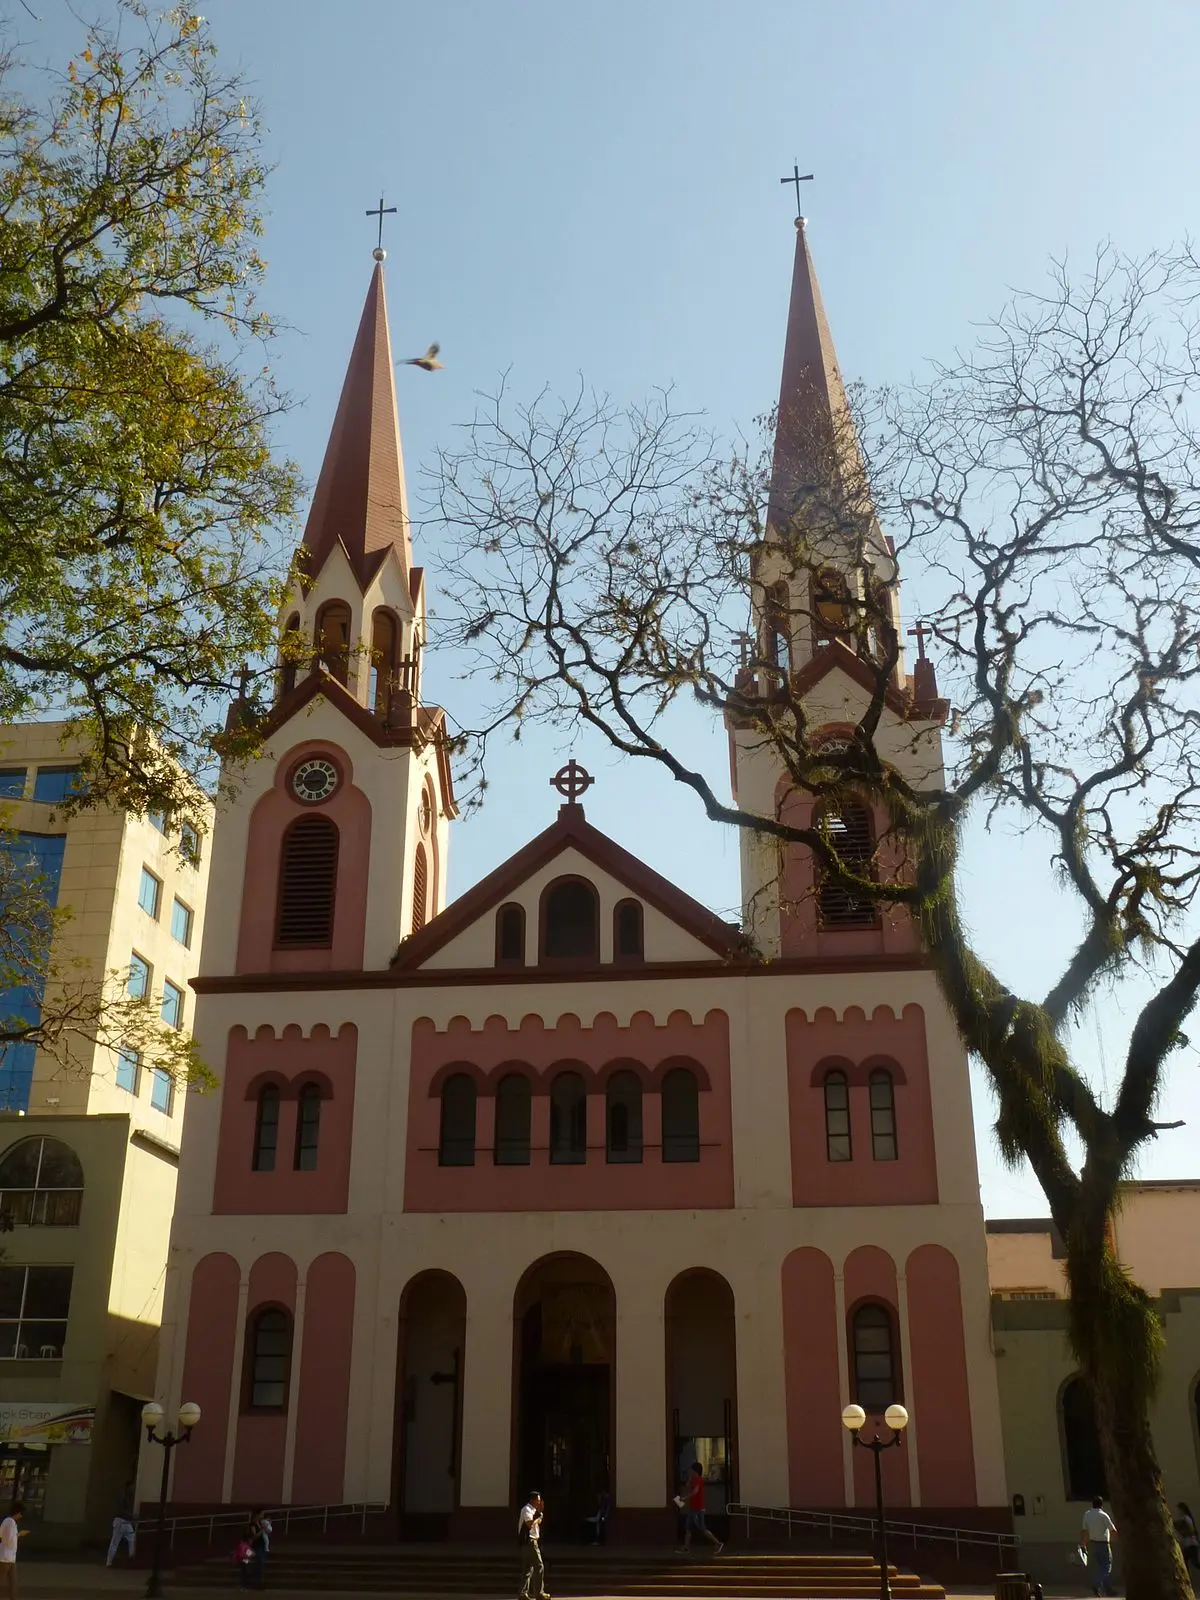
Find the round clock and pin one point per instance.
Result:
(314, 780)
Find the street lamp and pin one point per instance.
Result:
(152, 1417)
(896, 1417)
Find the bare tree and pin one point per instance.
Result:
(1042, 497)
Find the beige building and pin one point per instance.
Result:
(1051, 1453)
(89, 1147)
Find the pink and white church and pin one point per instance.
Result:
(555, 1184)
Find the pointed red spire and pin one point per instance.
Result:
(360, 496)
(814, 425)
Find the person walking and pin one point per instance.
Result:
(124, 1529)
(11, 1533)
(1188, 1535)
(258, 1537)
(693, 1511)
(1099, 1530)
(529, 1532)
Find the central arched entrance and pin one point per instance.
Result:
(564, 1320)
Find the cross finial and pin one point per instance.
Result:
(798, 178)
(571, 781)
(918, 633)
(381, 211)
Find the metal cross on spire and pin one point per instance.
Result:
(797, 178)
(382, 211)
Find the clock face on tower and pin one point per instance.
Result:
(315, 780)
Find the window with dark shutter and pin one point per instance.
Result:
(269, 1352)
(883, 1115)
(307, 883)
(680, 1116)
(875, 1385)
(852, 835)
(456, 1141)
(628, 931)
(510, 936)
(513, 1096)
(308, 1128)
(837, 1117)
(420, 888)
(266, 1129)
(571, 922)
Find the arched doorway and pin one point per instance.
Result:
(564, 1317)
(427, 1459)
(702, 1383)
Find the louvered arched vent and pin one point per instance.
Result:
(308, 883)
(420, 888)
(852, 835)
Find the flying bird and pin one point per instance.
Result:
(428, 362)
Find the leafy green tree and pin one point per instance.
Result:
(1042, 496)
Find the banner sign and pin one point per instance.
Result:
(35, 1423)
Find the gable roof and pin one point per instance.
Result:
(571, 830)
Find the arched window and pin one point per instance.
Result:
(269, 1354)
(308, 1127)
(420, 903)
(289, 662)
(628, 931)
(1081, 1443)
(623, 1116)
(333, 639)
(307, 883)
(852, 834)
(829, 595)
(837, 1117)
(41, 1184)
(385, 653)
(680, 1116)
(778, 627)
(510, 936)
(875, 1385)
(568, 1120)
(513, 1095)
(883, 1115)
(570, 922)
(456, 1143)
(266, 1129)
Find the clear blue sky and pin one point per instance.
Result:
(594, 188)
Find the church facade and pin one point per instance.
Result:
(557, 1184)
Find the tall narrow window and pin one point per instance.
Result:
(140, 977)
(510, 936)
(333, 639)
(162, 1091)
(270, 1348)
(456, 1144)
(266, 1129)
(623, 1115)
(568, 1120)
(385, 638)
(288, 655)
(680, 1116)
(308, 1128)
(571, 922)
(852, 835)
(778, 627)
(837, 1117)
(628, 935)
(831, 610)
(420, 903)
(172, 1004)
(513, 1102)
(883, 1115)
(150, 893)
(307, 883)
(1081, 1440)
(875, 1387)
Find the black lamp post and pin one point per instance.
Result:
(152, 1416)
(896, 1417)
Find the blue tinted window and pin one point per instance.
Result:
(189, 844)
(157, 819)
(148, 893)
(128, 1065)
(12, 783)
(181, 922)
(56, 783)
(41, 856)
(172, 1005)
(139, 977)
(162, 1090)
(16, 1060)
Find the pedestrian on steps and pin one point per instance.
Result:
(529, 1532)
(693, 1511)
(258, 1537)
(124, 1529)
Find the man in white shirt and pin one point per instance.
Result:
(10, 1535)
(1098, 1531)
(529, 1532)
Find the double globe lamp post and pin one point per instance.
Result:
(152, 1419)
(896, 1417)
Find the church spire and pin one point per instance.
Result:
(360, 497)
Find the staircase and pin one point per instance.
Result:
(419, 1571)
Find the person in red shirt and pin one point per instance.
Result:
(693, 1510)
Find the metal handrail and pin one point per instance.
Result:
(281, 1520)
(834, 1522)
